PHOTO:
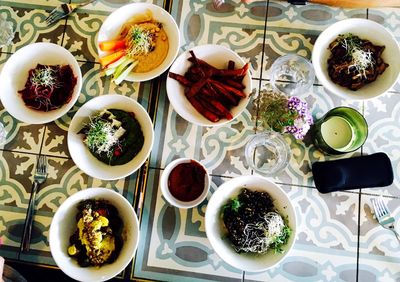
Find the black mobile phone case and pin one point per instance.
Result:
(373, 170)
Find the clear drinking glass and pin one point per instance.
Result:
(6, 32)
(292, 74)
(267, 153)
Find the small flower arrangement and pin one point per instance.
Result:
(283, 114)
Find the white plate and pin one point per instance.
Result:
(114, 22)
(215, 229)
(365, 29)
(15, 74)
(80, 153)
(63, 225)
(217, 56)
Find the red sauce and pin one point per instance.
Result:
(186, 181)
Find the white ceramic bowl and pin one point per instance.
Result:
(80, 153)
(167, 194)
(365, 29)
(215, 226)
(114, 22)
(63, 226)
(15, 74)
(217, 56)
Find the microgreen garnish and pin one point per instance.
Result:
(100, 137)
(361, 59)
(139, 41)
(45, 76)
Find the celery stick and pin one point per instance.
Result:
(125, 73)
(121, 68)
(110, 71)
(117, 62)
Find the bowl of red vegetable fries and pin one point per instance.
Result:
(209, 85)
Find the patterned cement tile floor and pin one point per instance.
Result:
(338, 238)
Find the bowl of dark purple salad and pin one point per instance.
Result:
(251, 223)
(40, 83)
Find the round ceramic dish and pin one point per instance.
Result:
(81, 155)
(365, 29)
(63, 226)
(114, 22)
(217, 56)
(215, 227)
(15, 73)
(167, 194)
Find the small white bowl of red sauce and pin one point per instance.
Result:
(185, 183)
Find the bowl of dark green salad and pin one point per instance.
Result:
(110, 137)
(251, 223)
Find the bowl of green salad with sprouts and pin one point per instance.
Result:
(251, 223)
(110, 137)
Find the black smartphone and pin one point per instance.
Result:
(367, 171)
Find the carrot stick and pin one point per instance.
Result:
(220, 72)
(207, 105)
(234, 83)
(221, 108)
(180, 78)
(112, 45)
(236, 72)
(231, 89)
(106, 60)
(222, 94)
(195, 88)
(203, 111)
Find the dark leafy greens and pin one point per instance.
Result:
(114, 136)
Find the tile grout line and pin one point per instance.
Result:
(259, 87)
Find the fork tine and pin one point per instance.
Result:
(52, 14)
(382, 205)
(43, 164)
(53, 18)
(39, 165)
(377, 210)
(50, 18)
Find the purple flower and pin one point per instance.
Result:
(299, 135)
(302, 119)
(290, 129)
(294, 103)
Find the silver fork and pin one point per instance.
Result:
(64, 10)
(382, 214)
(218, 3)
(39, 177)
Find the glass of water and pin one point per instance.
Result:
(267, 153)
(292, 74)
(6, 32)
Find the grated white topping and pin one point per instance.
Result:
(361, 60)
(271, 226)
(104, 133)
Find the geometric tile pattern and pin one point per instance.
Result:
(338, 237)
